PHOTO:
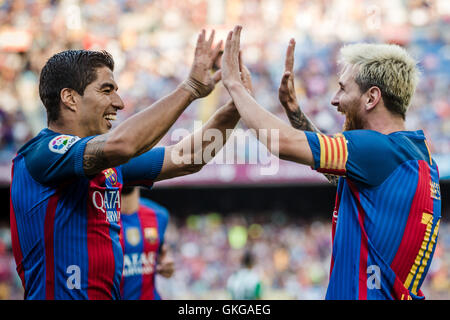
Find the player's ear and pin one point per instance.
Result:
(373, 96)
(68, 98)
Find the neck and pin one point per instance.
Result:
(130, 202)
(66, 126)
(385, 123)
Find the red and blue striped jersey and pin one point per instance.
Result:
(64, 224)
(386, 218)
(142, 236)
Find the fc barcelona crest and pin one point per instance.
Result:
(133, 236)
(151, 234)
(111, 176)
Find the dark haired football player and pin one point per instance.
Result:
(66, 182)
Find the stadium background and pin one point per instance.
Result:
(225, 209)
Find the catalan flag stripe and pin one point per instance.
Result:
(333, 153)
(339, 153)
(345, 152)
(327, 151)
(322, 151)
(334, 157)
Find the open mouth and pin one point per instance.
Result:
(110, 117)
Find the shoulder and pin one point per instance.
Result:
(364, 136)
(159, 210)
(50, 143)
(368, 143)
(52, 157)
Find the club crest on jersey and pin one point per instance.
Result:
(111, 176)
(151, 234)
(133, 236)
(62, 143)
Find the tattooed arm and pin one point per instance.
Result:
(288, 99)
(299, 120)
(143, 130)
(213, 136)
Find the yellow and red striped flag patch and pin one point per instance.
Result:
(333, 154)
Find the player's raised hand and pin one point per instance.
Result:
(286, 91)
(201, 81)
(230, 58)
(246, 77)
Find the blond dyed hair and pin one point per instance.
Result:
(386, 66)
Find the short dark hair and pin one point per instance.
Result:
(248, 260)
(74, 69)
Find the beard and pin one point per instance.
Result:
(353, 121)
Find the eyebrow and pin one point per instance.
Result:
(108, 85)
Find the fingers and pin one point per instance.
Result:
(211, 38)
(241, 65)
(232, 43)
(230, 58)
(285, 78)
(236, 38)
(217, 76)
(289, 62)
(216, 52)
(228, 41)
(202, 36)
(202, 43)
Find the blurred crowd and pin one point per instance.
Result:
(292, 257)
(153, 41)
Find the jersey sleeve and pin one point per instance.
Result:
(56, 158)
(365, 156)
(143, 170)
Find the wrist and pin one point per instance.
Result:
(291, 106)
(185, 88)
(233, 85)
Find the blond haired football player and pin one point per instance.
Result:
(388, 204)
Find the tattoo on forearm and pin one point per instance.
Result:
(332, 179)
(94, 160)
(300, 121)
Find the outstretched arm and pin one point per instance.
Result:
(196, 150)
(291, 144)
(143, 130)
(288, 99)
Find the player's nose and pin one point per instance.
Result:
(117, 102)
(335, 101)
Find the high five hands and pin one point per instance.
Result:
(286, 91)
(201, 81)
(230, 60)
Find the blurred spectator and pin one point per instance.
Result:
(245, 283)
